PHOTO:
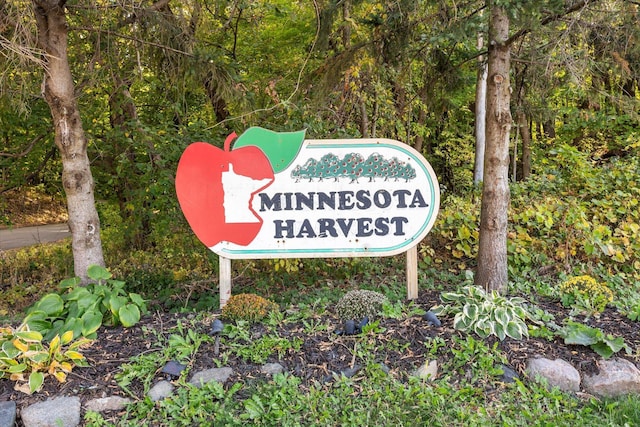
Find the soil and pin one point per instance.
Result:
(322, 354)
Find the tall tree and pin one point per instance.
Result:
(492, 251)
(59, 92)
(481, 114)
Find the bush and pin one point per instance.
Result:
(250, 307)
(359, 304)
(585, 295)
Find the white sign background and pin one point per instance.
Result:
(277, 237)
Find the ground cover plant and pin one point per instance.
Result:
(369, 377)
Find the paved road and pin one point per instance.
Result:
(28, 236)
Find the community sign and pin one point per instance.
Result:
(279, 195)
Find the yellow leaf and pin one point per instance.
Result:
(66, 366)
(73, 355)
(60, 376)
(67, 337)
(20, 345)
(53, 366)
(54, 345)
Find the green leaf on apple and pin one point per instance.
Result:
(281, 148)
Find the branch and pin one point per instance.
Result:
(26, 151)
(135, 39)
(34, 173)
(550, 18)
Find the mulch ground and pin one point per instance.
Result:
(322, 354)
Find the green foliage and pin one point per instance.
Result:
(181, 344)
(83, 309)
(400, 310)
(258, 350)
(250, 307)
(475, 360)
(585, 295)
(485, 313)
(603, 344)
(28, 360)
(360, 303)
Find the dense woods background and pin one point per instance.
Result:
(135, 83)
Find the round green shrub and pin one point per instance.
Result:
(359, 304)
(249, 307)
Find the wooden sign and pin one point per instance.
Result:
(278, 195)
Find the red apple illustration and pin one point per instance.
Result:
(215, 189)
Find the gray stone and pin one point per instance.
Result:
(7, 414)
(160, 390)
(508, 374)
(428, 371)
(272, 369)
(557, 373)
(103, 404)
(215, 374)
(617, 377)
(58, 412)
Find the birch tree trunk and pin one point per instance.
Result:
(481, 114)
(492, 254)
(58, 90)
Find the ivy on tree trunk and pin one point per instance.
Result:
(59, 92)
(492, 252)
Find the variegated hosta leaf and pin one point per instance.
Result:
(501, 316)
(461, 322)
(500, 331)
(517, 330)
(472, 311)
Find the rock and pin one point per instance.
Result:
(215, 374)
(557, 373)
(103, 404)
(350, 327)
(272, 369)
(173, 369)
(617, 377)
(160, 390)
(349, 372)
(364, 322)
(508, 374)
(216, 327)
(7, 414)
(432, 319)
(58, 412)
(428, 371)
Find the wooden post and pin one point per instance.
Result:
(412, 273)
(225, 280)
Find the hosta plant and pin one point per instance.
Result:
(26, 359)
(83, 309)
(485, 313)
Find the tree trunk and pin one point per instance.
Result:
(492, 254)
(525, 133)
(58, 90)
(481, 114)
